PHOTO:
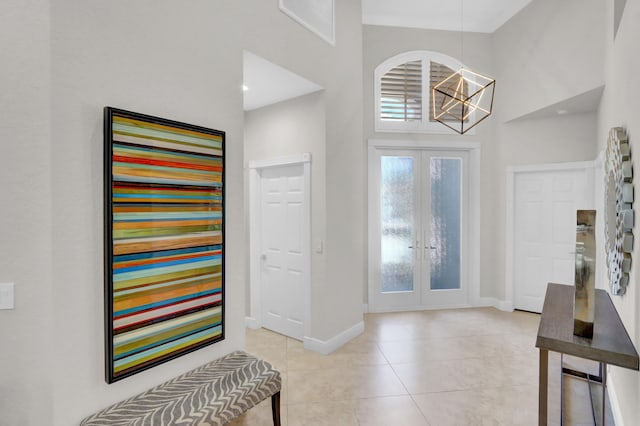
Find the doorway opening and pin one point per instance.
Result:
(284, 129)
(542, 200)
(280, 237)
(423, 214)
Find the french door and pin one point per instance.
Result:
(419, 223)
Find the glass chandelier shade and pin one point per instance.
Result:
(462, 100)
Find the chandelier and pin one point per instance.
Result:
(464, 98)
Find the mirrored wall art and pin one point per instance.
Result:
(619, 215)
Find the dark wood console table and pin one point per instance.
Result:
(610, 344)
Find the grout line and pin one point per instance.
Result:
(424, 416)
(509, 333)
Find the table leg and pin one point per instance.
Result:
(275, 408)
(561, 389)
(603, 374)
(543, 387)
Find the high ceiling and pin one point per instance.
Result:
(268, 83)
(483, 16)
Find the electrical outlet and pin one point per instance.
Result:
(6, 295)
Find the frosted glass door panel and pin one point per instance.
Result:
(397, 206)
(446, 196)
(417, 229)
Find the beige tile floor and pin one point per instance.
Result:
(434, 368)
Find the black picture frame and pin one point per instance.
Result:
(164, 240)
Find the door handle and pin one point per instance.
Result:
(263, 256)
(416, 246)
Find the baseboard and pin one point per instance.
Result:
(503, 305)
(613, 400)
(421, 308)
(482, 302)
(251, 322)
(485, 302)
(325, 347)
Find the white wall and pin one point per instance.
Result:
(379, 44)
(548, 52)
(619, 107)
(335, 303)
(165, 58)
(577, 37)
(289, 128)
(565, 138)
(272, 35)
(26, 333)
(158, 58)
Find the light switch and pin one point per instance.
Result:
(6, 295)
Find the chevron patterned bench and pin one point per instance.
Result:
(213, 394)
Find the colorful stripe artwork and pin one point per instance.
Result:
(164, 240)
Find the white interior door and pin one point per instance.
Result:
(283, 249)
(420, 226)
(545, 204)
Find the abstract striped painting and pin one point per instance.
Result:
(164, 240)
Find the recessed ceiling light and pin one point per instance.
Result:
(245, 87)
(562, 111)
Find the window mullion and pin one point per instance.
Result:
(426, 92)
(404, 91)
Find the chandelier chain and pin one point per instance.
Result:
(462, 31)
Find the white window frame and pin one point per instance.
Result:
(425, 125)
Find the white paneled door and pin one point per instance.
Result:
(283, 226)
(545, 204)
(419, 229)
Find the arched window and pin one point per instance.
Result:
(403, 91)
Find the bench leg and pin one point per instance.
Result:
(275, 408)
